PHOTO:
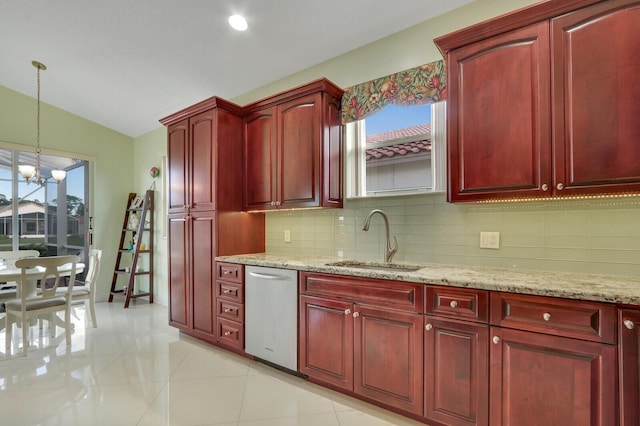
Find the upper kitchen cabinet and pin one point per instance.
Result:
(293, 149)
(542, 102)
(198, 138)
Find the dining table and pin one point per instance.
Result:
(32, 275)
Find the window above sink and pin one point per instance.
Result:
(399, 150)
(395, 133)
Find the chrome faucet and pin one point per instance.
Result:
(391, 250)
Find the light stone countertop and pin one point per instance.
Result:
(602, 288)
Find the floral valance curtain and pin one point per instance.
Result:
(416, 86)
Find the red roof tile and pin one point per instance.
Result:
(406, 148)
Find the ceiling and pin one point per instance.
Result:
(125, 64)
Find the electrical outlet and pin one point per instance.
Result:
(287, 236)
(490, 240)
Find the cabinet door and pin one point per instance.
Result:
(202, 177)
(456, 376)
(177, 162)
(203, 237)
(388, 357)
(596, 75)
(629, 367)
(498, 116)
(260, 159)
(326, 341)
(179, 271)
(538, 379)
(299, 152)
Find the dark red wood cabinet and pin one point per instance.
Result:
(293, 142)
(629, 362)
(544, 102)
(363, 336)
(205, 197)
(230, 304)
(552, 357)
(456, 356)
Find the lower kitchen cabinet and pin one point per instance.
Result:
(388, 357)
(552, 361)
(351, 344)
(191, 270)
(230, 305)
(629, 358)
(326, 341)
(456, 368)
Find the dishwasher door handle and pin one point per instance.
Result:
(268, 276)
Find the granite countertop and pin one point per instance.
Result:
(602, 288)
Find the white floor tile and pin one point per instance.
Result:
(133, 369)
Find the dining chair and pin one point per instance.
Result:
(86, 293)
(47, 301)
(9, 258)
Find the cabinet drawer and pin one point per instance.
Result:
(230, 272)
(383, 293)
(233, 292)
(563, 317)
(231, 333)
(458, 303)
(231, 310)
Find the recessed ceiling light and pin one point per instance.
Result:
(238, 22)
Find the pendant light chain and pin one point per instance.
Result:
(39, 67)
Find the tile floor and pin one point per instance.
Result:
(136, 370)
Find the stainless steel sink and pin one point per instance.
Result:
(389, 267)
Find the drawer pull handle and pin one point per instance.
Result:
(347, 311)
(495, 340)
(428, 327)
(227, 333)
(227, 291)
(545, 187)
(227, 273)
(629, 324)
(453, 304)
(356, 314)
(546, 316)
(227, 310)
(560, 186)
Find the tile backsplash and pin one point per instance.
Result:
(585, 235)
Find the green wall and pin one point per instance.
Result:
(68, 133)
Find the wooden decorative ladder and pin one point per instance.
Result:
(136, 239)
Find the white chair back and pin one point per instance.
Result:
(10, 257)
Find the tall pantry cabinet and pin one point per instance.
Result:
(205, 203)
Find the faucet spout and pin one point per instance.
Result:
(391, 249)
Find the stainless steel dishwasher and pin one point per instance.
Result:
(271, 315)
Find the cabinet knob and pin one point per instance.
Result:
(227, 291)
(453, 304)
(278, 203)
(356, 314)
(273, 203)
(545, 187)
(227, 310)
(428, 327)
(629, 324)
(347, 311)
(546, 316)
(560, 187)
(227, 333)
(495, 340)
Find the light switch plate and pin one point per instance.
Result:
(490, 240)
(287, 236)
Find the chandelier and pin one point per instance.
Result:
(29, 172)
